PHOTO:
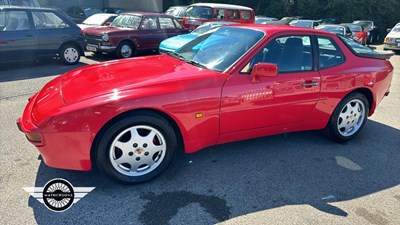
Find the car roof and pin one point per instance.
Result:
(26, 7)
(146, 14)
(221, 5)
(271, 29)
(307, 20)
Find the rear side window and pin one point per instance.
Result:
(245, 14)
(232, 14)
(14, 21)
(178, 25)
(48, 20)
(329, 53)
(166, 23)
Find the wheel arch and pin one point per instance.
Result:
(164, 115)
(370, 97)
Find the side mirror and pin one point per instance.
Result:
(388, 30)
(263, 70)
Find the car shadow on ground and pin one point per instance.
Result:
(34, 69)
(231, 180)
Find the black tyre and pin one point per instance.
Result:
(69, 54)
(136, 149)
(125, 50)
(349, 117)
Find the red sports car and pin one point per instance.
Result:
(243, 81)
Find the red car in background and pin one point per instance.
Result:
(362, 34)
(199, 13)
(131, 116)
(132, 32)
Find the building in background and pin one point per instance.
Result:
(134, 5)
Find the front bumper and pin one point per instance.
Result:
(100, 48)
(392, 46)
(64, 150)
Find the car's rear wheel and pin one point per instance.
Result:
(125, 50)
(69, 54)
(349, 117)
(137, 148)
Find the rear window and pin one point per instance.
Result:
(361, 50)
(245, 14)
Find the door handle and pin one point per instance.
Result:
(309, 84)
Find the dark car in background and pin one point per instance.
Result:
(177, 11)
(362, 34)
(114, 10)
(79, 14)
(31, 33)
(132, 32)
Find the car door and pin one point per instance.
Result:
(16, 36)
(150, 34)
(286, 99)
(51, 30)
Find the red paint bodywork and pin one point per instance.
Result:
(70, 111)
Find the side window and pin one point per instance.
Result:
(329, 53)
(219, 14)
(290, 53)
(232, 14)
(166, 23)
(14, 21)
(246, 15)
(177, 24)
(48, 20)
(149, 23)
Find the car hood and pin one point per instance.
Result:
(105, 30)
(174, 43)
(393, 34)
(109, 78)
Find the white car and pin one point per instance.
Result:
(392, 39)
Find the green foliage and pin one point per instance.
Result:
(383, 13)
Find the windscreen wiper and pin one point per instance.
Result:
(195, 63)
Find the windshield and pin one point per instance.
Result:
(92, 11)
(199, 12)
(131, 21)
(396, 28)
(219, 50)
(176, 11)
(97, 19)
(365, 24)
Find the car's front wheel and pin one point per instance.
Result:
(349, 117)
(125, 50)
(69, 54)
(137, 148)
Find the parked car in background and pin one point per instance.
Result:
(33, 32)
(30, 3)
(362, 34)
(79, 14)
(304, 23)
(132, 32)
(114, 10)
(130, 117)
(373, 30)
(283, 21)
(174, 43)
(97, 20)
(260, 19)
(392, 39)
(199, 13)
(177, 11)
(337, 29)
